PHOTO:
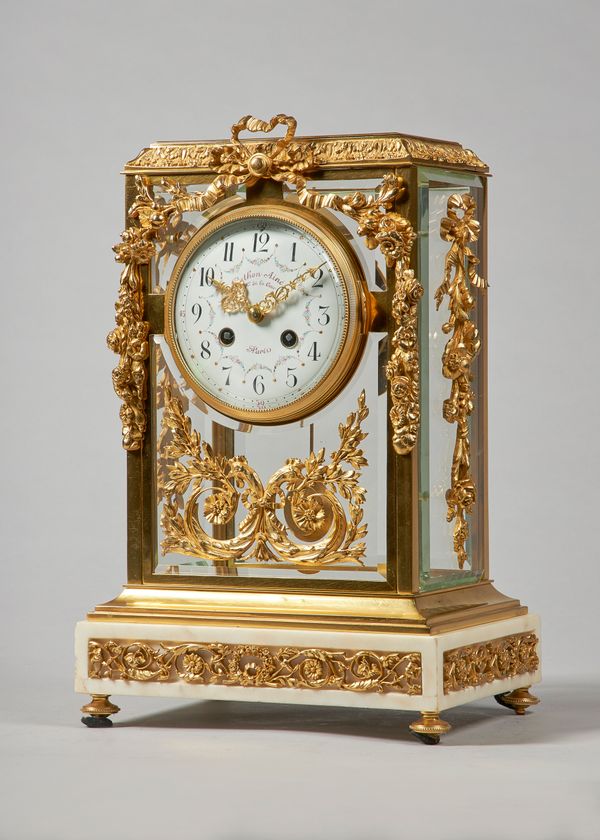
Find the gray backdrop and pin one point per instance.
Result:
(87, 84)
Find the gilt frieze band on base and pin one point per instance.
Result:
(498, 659)
(216, 663)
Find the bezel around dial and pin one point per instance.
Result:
(356, 301)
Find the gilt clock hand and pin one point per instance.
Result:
(257, 311)
(234, 296)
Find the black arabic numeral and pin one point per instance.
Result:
(205, 349)
(258, 384)
(228, 375)
(324, 318)
(207, 276)
(292, 376)
(293, 252)
(197, 311)
(228, 256)
(312, 353)
(261, 239)
(318, 275)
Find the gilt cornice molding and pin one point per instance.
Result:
(325, 152)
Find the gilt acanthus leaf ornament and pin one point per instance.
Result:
(460, 274)
(193, 480)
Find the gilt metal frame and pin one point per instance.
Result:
(392, 158)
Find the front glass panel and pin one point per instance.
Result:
(297, 503)
(439, 561)
(169, 248)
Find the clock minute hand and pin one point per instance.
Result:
(234, 296)
(257, 311)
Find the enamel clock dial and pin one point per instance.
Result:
(266, 313)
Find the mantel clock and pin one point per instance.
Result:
(301, 333)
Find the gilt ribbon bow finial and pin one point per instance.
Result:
(282, 160)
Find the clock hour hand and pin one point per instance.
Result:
(257, 311)
(234, 295)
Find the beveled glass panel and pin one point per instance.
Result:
(265, 454)
(264, 538)
(439, 564)
(170, 247)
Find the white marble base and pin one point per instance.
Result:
(431, 649)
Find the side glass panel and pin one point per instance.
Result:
(439, 562)
(224, 489)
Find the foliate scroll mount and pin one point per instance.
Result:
(193, 479)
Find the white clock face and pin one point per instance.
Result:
(263, 366)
